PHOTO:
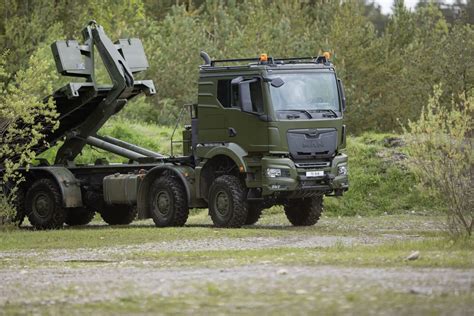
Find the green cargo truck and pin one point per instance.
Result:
(265, 131)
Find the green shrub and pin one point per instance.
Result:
(442, 155)
(379, 180)
(24, 119)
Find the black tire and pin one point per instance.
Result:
(253, 214)
(227, 205)
(304, 212)
(43, 205)
(118, 214)
(168, 202)
(79, 216)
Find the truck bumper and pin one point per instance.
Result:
(295, 181)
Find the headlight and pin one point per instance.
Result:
(342, 170)
(273, 172)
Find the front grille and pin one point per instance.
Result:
(317, 164)
(314, 144)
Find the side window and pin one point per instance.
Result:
(256, 96)
(228, 94)
(224, 95)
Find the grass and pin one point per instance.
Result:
(391, 239)
(199, 227)
(230, 300)
(435, 253)
(412, 232)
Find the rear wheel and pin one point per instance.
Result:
(79, 216)
(168, 203)
(227, 205)
(118, 214)
(43, 205)
(253, 215)
(304, 212)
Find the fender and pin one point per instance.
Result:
(231, 150)
(68, 184)
(205, 153)
(181, 172)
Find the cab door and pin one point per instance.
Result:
(246, 119)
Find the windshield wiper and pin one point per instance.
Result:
(298, 110)
(327, 110)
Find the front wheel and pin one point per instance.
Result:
(227, 205)
(304, 212)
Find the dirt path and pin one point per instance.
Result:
(192, 274)
(82, 285)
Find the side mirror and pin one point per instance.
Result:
(275, 82)
(245, 94)
(342, 94)
(237, 80)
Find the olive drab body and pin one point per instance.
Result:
(265, 131)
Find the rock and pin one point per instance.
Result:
(414, 255)
(282, 272)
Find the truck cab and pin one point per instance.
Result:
(277, 125)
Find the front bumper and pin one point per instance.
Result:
(297, 181)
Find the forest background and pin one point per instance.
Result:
(390, 65)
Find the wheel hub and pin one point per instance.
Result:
(42, 205)
(222, 202)
(163, 202)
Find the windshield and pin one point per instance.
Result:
(306, 91)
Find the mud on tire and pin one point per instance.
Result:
(304, 212)
(227, 202)
(168, 203)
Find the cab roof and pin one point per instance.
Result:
(265, 63)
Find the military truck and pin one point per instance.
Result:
(265, 131)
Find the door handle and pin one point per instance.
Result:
(232, 132)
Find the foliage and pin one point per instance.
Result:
(442, 156)
(146, 135)
(24, 118)
(389, 63)
(379, 181)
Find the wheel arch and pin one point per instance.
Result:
(67, 183)
(209, 172)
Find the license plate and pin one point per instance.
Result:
(319, 173)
